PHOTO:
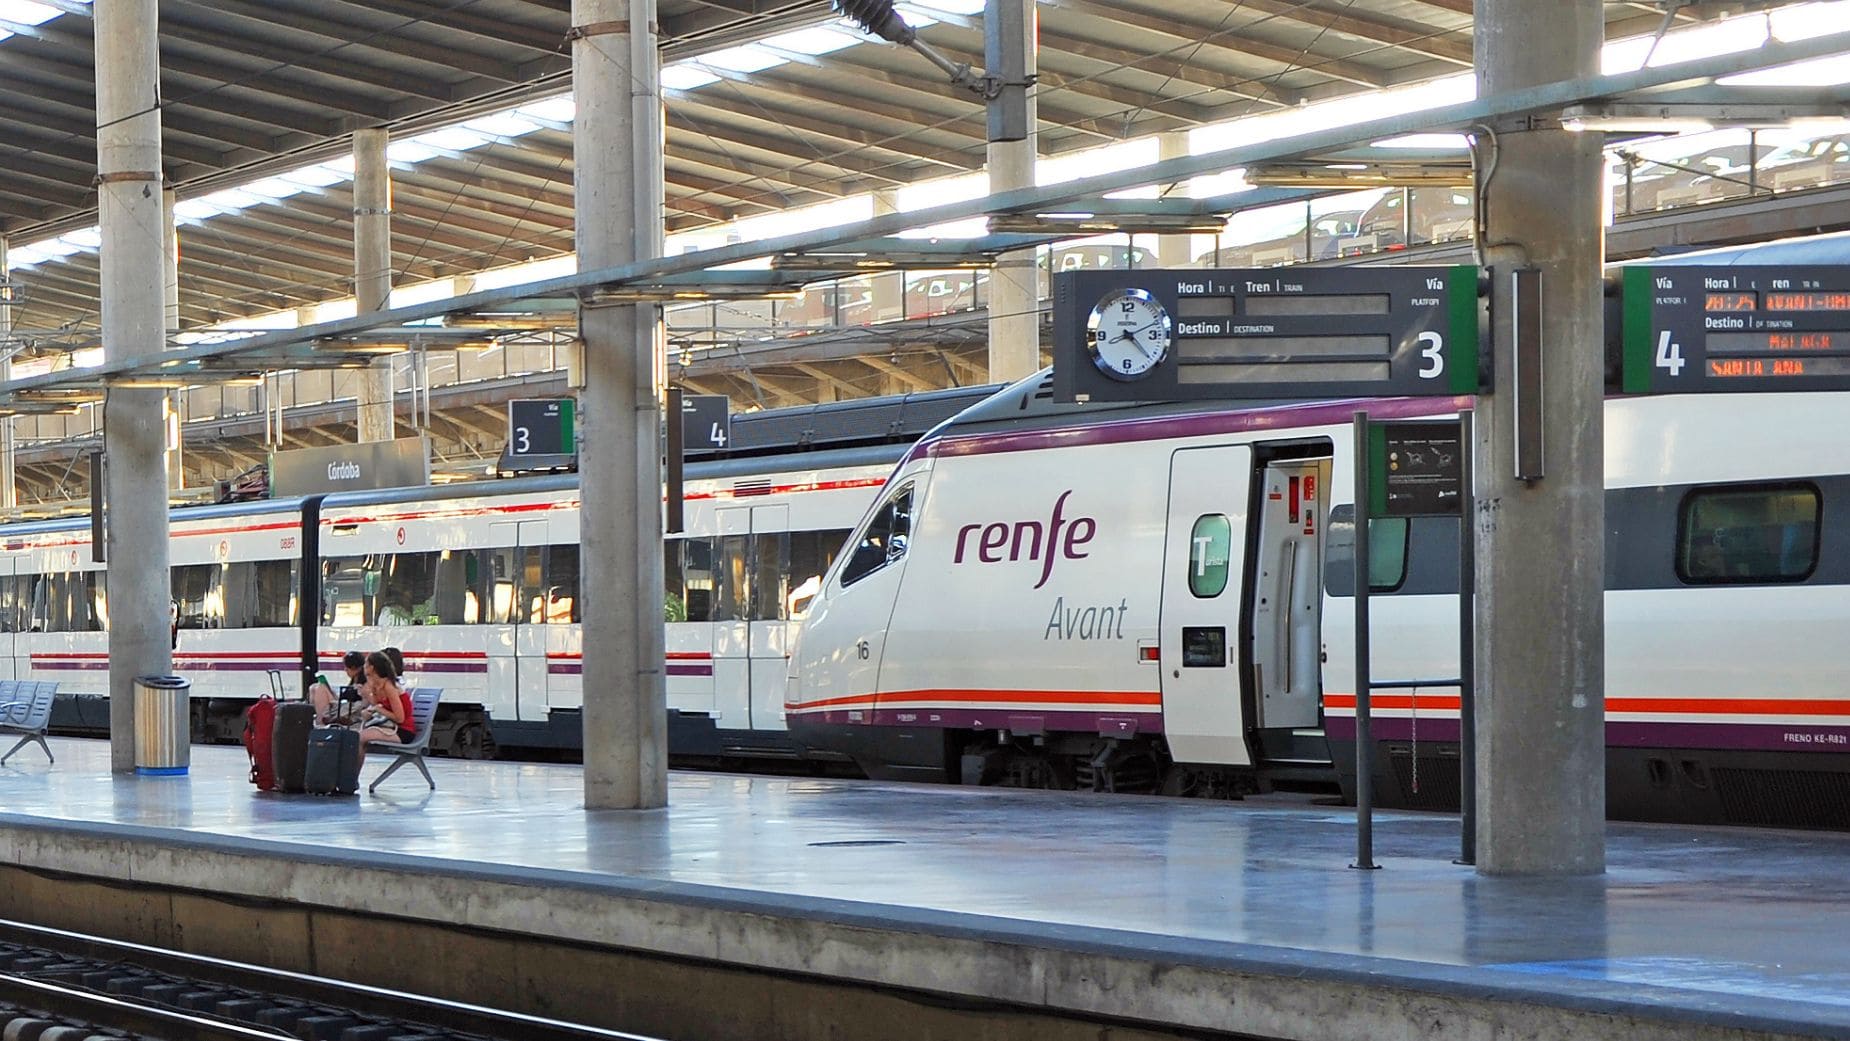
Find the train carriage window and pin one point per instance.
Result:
(349, 591)
(811, 553)
(95, 602)
(1387, 552)
(689, 575)
(561, 606)
(882, 540)
(1741, 535)
(731, 578)
(770, 576)
(407, 589)
(273, 592)
(15, 598)
(198, 593)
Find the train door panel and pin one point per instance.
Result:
(1286, 598)
(768, 639)
(1203, 562)
(530, 627)
(732, 627)
(501, 685)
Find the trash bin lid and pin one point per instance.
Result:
(164, 682)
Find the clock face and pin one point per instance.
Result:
(1128, 333)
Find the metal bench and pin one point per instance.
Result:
(424, 717)
(25, 709)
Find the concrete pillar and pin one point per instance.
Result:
(617, 139)
(1173, 250)
(1014, 307)
(128, 147)
(170, 321)
(9, 443)
(1540, 644)
(372, 272)
(890, 287)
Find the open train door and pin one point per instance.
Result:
(1285, 652)
(1203, 565)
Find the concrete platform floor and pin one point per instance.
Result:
(1716, 927)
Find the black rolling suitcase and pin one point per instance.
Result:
(295, 720)
(333, 762)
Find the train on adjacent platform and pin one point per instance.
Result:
(478, 585)
(1157, 598)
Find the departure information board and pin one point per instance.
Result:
(1696, 329)
(1177, 334)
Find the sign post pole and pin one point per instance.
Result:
(1364, 741)
(677, 461)
(1467, 622)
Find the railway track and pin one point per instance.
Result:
(63, 986)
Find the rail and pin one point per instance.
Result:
(117, 985)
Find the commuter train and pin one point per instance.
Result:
(478, 584)
(1158, 598)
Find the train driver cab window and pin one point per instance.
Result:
(883, 539)
(1748, 535)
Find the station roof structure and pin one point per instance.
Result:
(771, 104)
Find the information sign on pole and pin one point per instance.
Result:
(1747, 328)
(706, 422)
(1416, 469)
(540, 427)
(1175, 334)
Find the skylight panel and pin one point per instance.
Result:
(742, 59)
(319, 176)
(233, 199)
(953, 6)
(273, 188)
(453, 139)
(686, 76)
(815, 41)
(552, 110)
(88, 238)
(502, 124)
(410, 150)
(27, 12)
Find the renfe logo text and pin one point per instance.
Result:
(1029, 539)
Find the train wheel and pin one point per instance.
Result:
(473, 741)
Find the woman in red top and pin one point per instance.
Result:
(391, 720)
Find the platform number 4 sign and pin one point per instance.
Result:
(706, 422)
(1669, 353)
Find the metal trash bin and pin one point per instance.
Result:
(163, 725)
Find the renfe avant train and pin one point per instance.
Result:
(478, 584)
(1157, 598)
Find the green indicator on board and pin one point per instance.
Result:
(1461, 360)
(1635, 341)
(568, 408)
(1377, 469)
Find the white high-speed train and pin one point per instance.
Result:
(478, 585)
(1158, 598)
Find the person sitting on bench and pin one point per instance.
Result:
(326, 699)
(389, 719)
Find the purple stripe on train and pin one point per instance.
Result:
(680, 670)
(1774, 737)
(1197, 424)
(1116, 724)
